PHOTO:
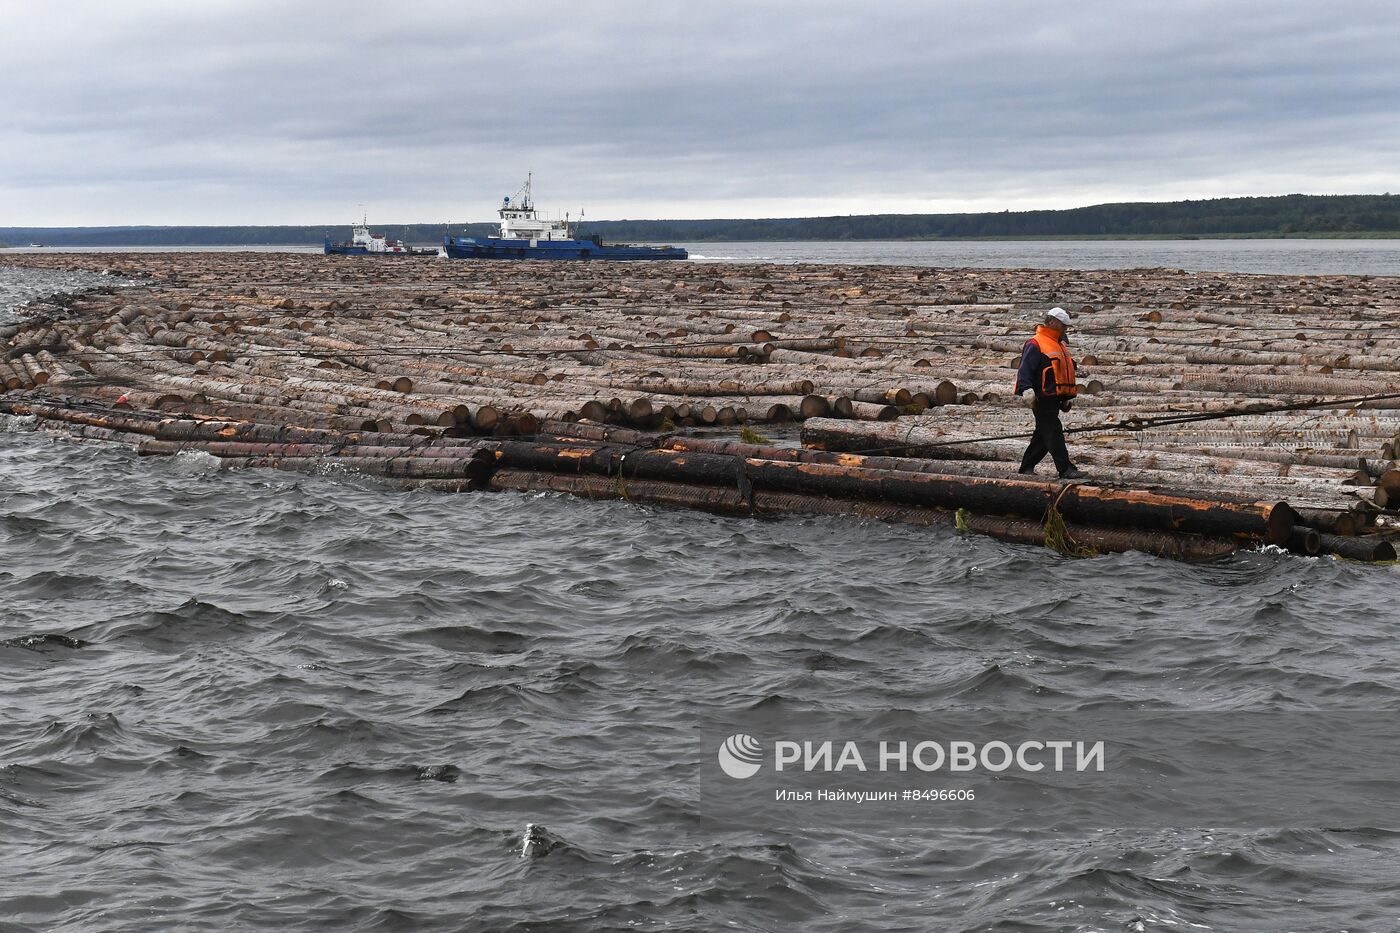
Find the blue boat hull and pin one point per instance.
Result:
(345, 249)
(497, 248)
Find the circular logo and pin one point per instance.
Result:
(740, 756)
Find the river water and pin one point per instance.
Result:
(246, 700)
(1273, 257)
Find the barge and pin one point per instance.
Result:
(364, 243)
(525, 235)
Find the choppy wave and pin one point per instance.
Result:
(254, 699)
(19, 286)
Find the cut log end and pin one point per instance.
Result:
(1281, 521)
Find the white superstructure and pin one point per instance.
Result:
(360, 236)
(519, 220)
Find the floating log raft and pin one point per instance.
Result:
(587, 378)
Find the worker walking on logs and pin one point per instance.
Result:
(1047, 370)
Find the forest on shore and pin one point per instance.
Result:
(1356, 215)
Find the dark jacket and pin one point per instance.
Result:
(1032, 374)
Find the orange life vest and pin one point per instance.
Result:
(1061, 367)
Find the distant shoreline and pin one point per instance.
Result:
(1292, 216)
(1047, 238)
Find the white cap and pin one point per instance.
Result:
(1059, 314)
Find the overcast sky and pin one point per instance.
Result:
(248, 112)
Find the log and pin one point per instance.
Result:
(1269, 521)
(37, 375)
(730, 502)
(10, 380)
(474, 469)
(1330, 521)
(1367, 548)
(1304, 540)
(867, 411)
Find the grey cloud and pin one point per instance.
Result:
(260, 112)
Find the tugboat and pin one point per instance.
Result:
(524, 235)
(364, 243)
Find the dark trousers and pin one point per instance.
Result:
(1049, 437)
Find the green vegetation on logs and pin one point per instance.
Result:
(1058, 538)
(1284, 215)
(749, 436)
